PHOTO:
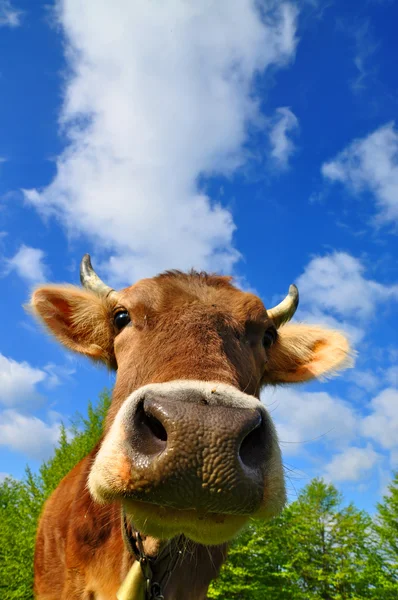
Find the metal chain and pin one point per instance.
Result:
(153, 589)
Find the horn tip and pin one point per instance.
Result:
(86, 258)
(85, 268)
(294, 293)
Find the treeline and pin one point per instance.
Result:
(317, 549)
(21, 501)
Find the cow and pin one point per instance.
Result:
(189, 453)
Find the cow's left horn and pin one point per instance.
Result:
(283, 312)
(90, 280)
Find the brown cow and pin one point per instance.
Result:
(189, 453)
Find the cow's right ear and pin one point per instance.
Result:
(78, 318)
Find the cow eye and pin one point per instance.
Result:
(269, 337)
(121, 319)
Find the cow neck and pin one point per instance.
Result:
(150, 572)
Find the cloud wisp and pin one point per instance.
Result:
(28, 263)
(284, 125)
(370, 166)
(18, 383)
(381, 425)
(337, 293)
(353, 464)
(365, 48)
(344, 443)
(20, 396)
(27, 434)
(9, 15)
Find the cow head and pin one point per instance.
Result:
(188, 447)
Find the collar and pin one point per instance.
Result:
(141, 583)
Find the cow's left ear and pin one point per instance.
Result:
(78, 318)
(303, 352)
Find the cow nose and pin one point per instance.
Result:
(154, 418)
(196, 455)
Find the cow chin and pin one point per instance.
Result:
(165, 523)
(208, 528)
(201, 526)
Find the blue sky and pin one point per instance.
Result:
(254, 138)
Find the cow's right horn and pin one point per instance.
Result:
(90, 280)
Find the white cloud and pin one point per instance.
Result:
(394, 460)
(353, 464)
(337, 283)
(381, 425)
(9, 16)
(19, 380)
(391, 376)
(304, 418)
(27, 434)
(370, 165)
(55, 374)
(285, 123)
(331, 433)
(159, 95)
(365, 379)
(28, 264)
(335, 292)
(18, 383)
(3, 476)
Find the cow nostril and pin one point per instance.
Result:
(252, 446)
(155, 426)
(152, 433)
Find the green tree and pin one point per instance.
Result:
(21, 502)
(74, 444)
(333, 554)
(255, 566)
(316, 549)
(386, 528)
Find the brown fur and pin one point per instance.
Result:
(184, 326)
(80, 552)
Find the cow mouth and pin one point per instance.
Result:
(165, 523)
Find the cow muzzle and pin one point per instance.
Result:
(190, 445)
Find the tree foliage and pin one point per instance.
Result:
(386, 527)
(318, 548)
(21, 502)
